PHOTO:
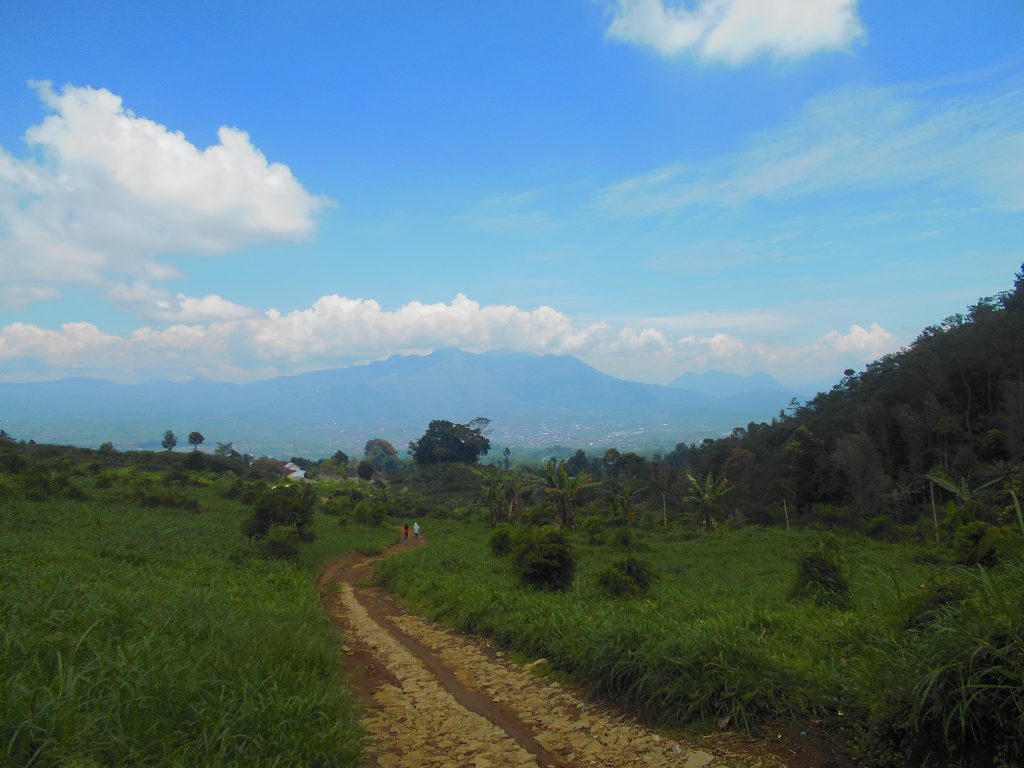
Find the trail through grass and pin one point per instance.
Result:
(720, 638)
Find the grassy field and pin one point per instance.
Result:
(719, 639)
(150, 636)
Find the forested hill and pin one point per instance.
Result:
(951, 403)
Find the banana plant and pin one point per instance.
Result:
(564, 491)
(967, 498)
(706, 494)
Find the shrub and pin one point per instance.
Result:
(543, 558)
(1001, 544)
(881, 527)
(925, 604)
(288, 505)
(282, 543)
(623, 538)
(956, 695)
(979, 543)
(628, 577)
(500, 541)
(820, 578)
(370, 511)
(593, 529)
(538, 515)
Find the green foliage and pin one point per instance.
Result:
(630, 577)
(944, 415)
(979, 543)
(381, 454)
(925, 604)
(282, 517)
(169, 440)
(820, 578)
(543, 558)
(706, 495)
(956, 686)
(564, 491)
(373, 508)
(445, 442)
(593, 530)
(500, 540)
(697, 649)
(146, 637)
(365, 470)
(622, 538)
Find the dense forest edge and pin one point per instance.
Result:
(855, 563)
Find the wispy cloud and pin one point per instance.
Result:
(106, 193)
(513, 214)
(855, 139)
(736, 31)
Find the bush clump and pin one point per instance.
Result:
(629, 577)
(978, 543)
(282, 517)
(593, 529)
(956, 695)
(500, 541)
(820, 578)
(926, 603)
(543, 558)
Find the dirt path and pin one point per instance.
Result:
(436, 699)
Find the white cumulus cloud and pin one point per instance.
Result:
(735, 31)
(105, 193)
(214, 338)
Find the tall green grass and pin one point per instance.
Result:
(720, 637)
(155, 637)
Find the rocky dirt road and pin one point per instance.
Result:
(436, 699)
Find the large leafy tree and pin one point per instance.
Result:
(195, 439)
(170, 440)
(381, 454)
(445, 442)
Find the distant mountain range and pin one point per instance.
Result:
(532, 400)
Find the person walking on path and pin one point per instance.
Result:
(416, 530)
(406, 530)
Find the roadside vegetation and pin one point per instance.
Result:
(856, 563)
(141, 627)
(914, 661)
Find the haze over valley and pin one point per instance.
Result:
(534, 402)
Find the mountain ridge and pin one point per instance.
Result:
(532, 400)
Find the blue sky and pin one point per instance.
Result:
(235, 191)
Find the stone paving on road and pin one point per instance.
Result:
(440, 700)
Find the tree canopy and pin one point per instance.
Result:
(381, 454)
(951, 404)
(170, 440)
(447, 442)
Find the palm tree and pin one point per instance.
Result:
(564, 491)
(706, 494)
